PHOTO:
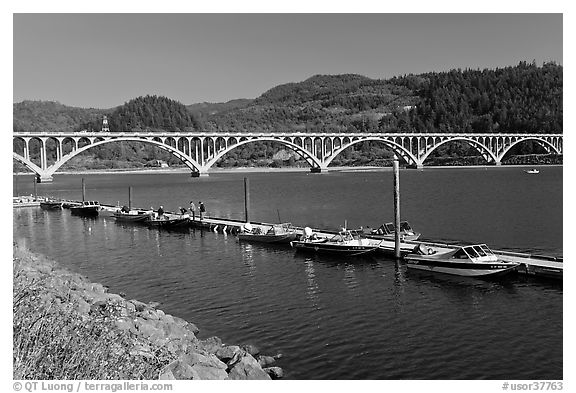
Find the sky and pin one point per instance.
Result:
(103, 60)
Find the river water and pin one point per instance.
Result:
(363, 318)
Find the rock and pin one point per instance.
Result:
(210, 345)
(153, 304)
(207, 360)
(274, 372)
(251, 349)
(266, 361)
(98, 307)
(149, 314)
(82, 306)
(193, 328)
(203, 372)
(125, 324)
(140, 306)
(148, 330)
(247, 368)
(228, 352)
(188, 325)
(195, 366)
(98, 288)
(166, 375)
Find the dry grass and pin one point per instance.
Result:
(52, 340)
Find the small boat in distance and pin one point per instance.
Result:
(388, 231)
(277, 233)
(470, 261)
(51, 204)
(346, 242)
(87, 208)
(532, 171)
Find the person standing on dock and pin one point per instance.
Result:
(193, 210)
(202, 209)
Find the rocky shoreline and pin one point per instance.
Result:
(66, 327)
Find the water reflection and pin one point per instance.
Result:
(350, 279)
(248, 258)
(399, 286)
(312, 288)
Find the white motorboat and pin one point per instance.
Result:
(471, 261)
(346, 242)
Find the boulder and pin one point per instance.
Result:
(228, 353)
(125, 324)
(251, 349)
(206, 360)
(247, 368)
(274, 372)
(138, 305)
(210, 345)
(266, 361)
(181, 369)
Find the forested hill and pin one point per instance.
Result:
(150, 113)
(49, 116)
(524, 98)
(322, 103)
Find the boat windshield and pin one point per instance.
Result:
(479, 250)
(471, 252)
(404, 226)
(343, 236)
(390, 227)
(486, 249)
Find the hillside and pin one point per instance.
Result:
(324, 103)
(52, 116)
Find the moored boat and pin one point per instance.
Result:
(167, 222)
(346, 242)
(388, 231)
(278, 234)
(470, 261)
(51, 204)
(532, 171)
(87, 208)
(132, 215)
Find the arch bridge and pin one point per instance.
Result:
(200, 151)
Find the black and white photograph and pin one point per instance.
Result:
(287, 196)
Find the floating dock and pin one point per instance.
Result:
(529, 264)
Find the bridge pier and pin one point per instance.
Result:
(315, 169)
(199, 174)
(44, 179)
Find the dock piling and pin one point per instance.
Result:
(130, 198)
(247, 199)
(396, 170)
(35, 192)
(83, 190)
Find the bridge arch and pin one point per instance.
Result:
(191, 163)
(481, 148)
(542, 142)
(308, 156)
(27, 163)
(396, 148)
